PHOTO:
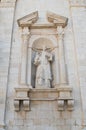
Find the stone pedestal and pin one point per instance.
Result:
(62, 94)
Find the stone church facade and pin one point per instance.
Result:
(42, 64)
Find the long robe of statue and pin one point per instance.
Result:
(43, 71)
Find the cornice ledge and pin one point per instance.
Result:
(7, 4)
(56, 19)
(28, 20)
(8, 1)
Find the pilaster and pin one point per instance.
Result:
(63, 76)
(25, 37)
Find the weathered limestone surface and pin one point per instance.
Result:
(5, 45)
(43, 115)
(80, 44)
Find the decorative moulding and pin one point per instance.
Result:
(8, 1)
(58, 20)
(40, 26)
(28, 20)
(62, 94)
(54, 19)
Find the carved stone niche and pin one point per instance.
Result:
(34, 37)
(34, 43)
(22, 101)
(37, 47)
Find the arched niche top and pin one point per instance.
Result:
(40, 42)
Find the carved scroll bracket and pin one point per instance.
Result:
(22, 100)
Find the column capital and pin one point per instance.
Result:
(25, 33)
(60, 31)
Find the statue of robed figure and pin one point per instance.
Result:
(43, 70)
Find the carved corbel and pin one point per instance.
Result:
(60, 105)
(65, 99)
(26, 105)
(70, 105)
(16, 104)
(22, 100)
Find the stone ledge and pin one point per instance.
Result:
(62, 94)
(43, 90)
(21, 98)
(7, 5)
(65, 98)
(59, 88)
(41, 26)
(43, 99)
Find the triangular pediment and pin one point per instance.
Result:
(53, 19)
(28, 19)
(57, 19)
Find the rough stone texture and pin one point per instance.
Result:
(5, 44)
(43, 115)
(80, 44)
